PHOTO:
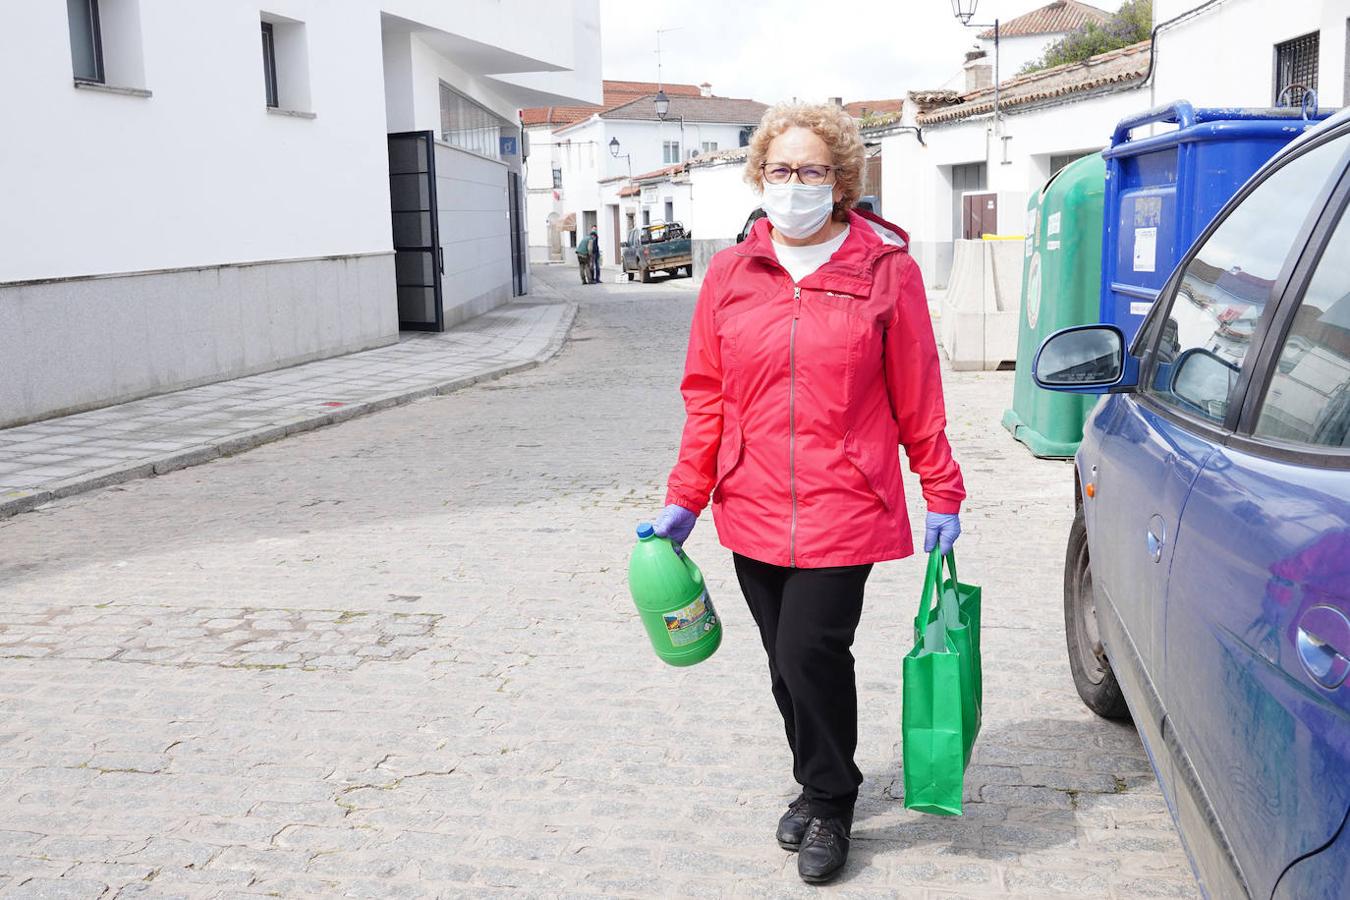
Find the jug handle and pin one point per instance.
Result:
(694, 572)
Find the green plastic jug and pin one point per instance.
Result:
(672, 600)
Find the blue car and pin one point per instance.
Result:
(1207, 578)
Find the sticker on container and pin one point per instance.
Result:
(1033, 290)
(1145, 249)
(1030, 243)
(1052, 224)
(684, 626)
(1147, 212)
(1052, 245)
(1140, 307)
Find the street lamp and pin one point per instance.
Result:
(662, 104)
(964, 10)
(614, 152)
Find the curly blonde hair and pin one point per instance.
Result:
(833, 125)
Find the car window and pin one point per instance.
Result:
(1308, 398)
(1225, 289)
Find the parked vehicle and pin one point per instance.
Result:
(1207, 574)
(755, 215)
(665, 247)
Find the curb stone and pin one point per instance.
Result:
(16, 502)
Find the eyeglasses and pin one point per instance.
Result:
(781, 173)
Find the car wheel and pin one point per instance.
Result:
(1092, 674)
(646, 275)
(630, 275)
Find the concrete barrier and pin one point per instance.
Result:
(979, 312)
(704, 249)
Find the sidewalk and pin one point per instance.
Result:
(59, 457)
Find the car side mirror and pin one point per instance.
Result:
(1085, 359)
(1205, 380)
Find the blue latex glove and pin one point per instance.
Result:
(941, 530)
(675, 523)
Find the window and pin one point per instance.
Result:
(1296, 68)
(557, 178)
(1223, 293)
(709, 147)
(1308, 399)
(646, 217)
(285, 58)
(467, 125)
(966, 177)
(1060, 160)
(670, 210)
(86, 41)
(670, 152)
(269, 64)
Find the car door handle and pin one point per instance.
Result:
(1323, 640)
(1157, 538)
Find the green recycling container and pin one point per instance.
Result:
(1061, 280)
(672, 600)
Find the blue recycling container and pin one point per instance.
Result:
(1162, 191)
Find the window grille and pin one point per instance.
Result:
(467, 125)
(1295, 69)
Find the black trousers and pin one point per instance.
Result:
(807, 619)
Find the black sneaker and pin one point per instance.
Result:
(793, 824)
(824, 849)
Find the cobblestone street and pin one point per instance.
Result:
(397, 658)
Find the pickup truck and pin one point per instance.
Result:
(664, 247)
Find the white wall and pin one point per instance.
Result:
(721, 200)
(1188, 68)
(474, 231)
(916, 180)
(1015, 52)
(517, 43)
(200, 173)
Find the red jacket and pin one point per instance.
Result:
(798, 397)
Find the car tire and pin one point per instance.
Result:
(1092, 673)
(630, 275)
(645, 274)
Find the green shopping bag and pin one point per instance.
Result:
(943, 691)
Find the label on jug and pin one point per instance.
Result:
(684, 626)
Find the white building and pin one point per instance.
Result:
(1236, 53)
(1024, 39)
(547, 206)
(1246, 52)
(630, 140)
(197, 191)
(946, 146)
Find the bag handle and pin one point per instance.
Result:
(932, 582)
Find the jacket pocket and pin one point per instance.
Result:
(728, 455)
(872, 467)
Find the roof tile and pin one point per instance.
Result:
(1059, 17)
(1116, 67)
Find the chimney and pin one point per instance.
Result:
(837, 101)
(705, 89)
(979, 72)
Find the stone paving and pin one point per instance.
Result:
(397, 658)
(57, 457)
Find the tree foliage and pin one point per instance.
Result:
(1129, 25)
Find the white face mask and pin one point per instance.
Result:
(798, 210)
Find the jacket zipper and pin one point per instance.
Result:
(792, 422)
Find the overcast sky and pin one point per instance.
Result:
(812, 49)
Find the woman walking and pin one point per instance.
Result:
(811, 361)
